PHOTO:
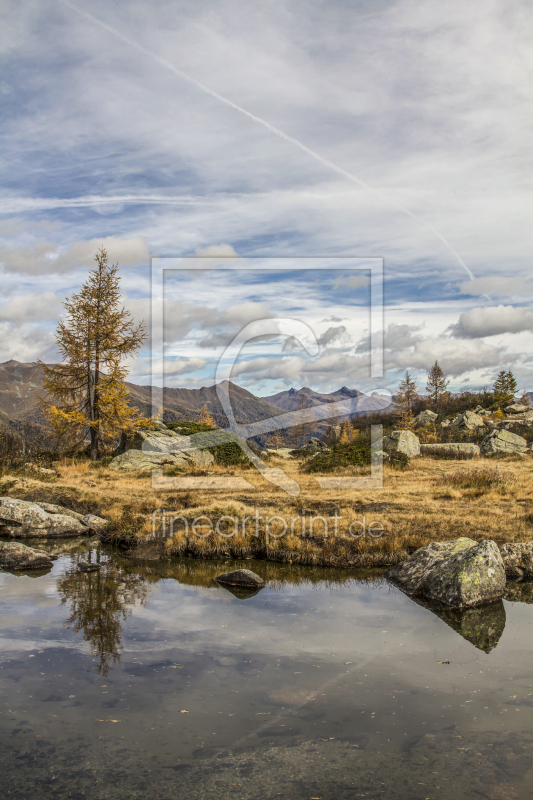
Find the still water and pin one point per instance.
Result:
(149, 680)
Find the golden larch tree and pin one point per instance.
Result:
(86, 393)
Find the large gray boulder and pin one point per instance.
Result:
(241, 577)
(141, 460)
(16, 556)
(518, 560)
(452, 449)
(516, 408)
(20, 519)
(458, 574)
(502, 441)
(426, 417)
(402, 442)
(469, 421)
(147, 449)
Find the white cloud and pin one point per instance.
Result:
(46, 257)
(491, 321)
(31, 307)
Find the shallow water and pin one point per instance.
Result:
(152, 681)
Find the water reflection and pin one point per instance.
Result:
(100, 602)
(519, 592)
(482, 627)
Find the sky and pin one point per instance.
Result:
(228, 136)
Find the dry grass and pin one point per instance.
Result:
(430, 501)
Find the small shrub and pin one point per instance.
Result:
(352, 454)
(475, 478)
(398, 460)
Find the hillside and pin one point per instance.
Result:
(21, 383)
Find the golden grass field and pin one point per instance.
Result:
(432, 500)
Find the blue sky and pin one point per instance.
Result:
(396, 130)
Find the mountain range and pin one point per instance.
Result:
(22, 383)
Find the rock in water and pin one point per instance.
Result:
(458, 574)
(20, 519)
(95, 523)
(84, 566)
(518, 560)
(14, 555)
(241, 577)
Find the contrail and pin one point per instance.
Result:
(276, 131)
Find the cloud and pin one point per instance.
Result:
(351, 282)
(46, 257)
(497, 285)
(332, 335)
(31, 307)
(493, 320)
(210, 257)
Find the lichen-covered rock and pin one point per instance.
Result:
(469, 578)
(518, 559)
(412, 573)
(469, 421)
(464, 449)
(146, 460)
(95, 523)
(158, 447)
(425, 417)
(16, 556)
(402, 442)
(21, 519)
(516, 408)
(502, 441)
(51, 508)
(458, 574)
(241, 577)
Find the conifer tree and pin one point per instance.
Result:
(406, 397)
(87, 391)
(505, 387)
(436, 384)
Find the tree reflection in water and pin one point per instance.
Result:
(99, 603)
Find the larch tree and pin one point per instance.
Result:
(86, 393)
(436, 385)
(406, 397)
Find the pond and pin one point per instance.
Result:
(149, 680)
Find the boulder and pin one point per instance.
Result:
(15, 556)
(469, 421)
(426, 417)
(379, 455)
(147, 460)
(20, 519)
(516, 408)
(518, 560)
(163, 442)
(458, 574)
(452, 449)
(402, 442)
(95, 523)
(241, 577)
(445, 423)
(51, 508)
(502, 441)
